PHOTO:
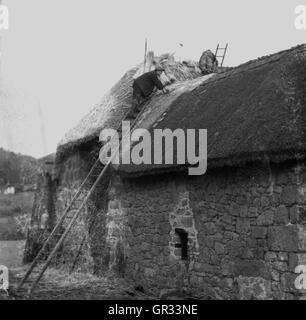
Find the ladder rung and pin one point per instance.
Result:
(224, 53)
(70, 215)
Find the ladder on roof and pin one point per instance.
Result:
(224, 50)
(73, 219)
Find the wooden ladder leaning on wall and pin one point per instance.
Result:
(74, 217)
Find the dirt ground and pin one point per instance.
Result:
(59, 285)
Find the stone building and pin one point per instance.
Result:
(237, 232)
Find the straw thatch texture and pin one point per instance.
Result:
(114, 105)
(251, 112)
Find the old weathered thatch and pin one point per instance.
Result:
(252, 111)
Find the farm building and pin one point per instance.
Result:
(237, 232)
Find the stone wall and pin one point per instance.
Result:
(246, 232)
(245, 229)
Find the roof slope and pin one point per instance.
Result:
(251, 112)
(114, 105)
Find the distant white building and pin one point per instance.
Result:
(9, 190)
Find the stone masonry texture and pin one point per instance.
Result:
(246, 229)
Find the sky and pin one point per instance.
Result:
(60, 57)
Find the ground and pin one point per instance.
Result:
(59, 285)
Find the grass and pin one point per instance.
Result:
(11, 253)
(57, 284)
(15, 210)
(16, 204)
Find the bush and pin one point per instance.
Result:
(15, 212)
(6, 211)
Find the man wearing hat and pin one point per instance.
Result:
(144, 86)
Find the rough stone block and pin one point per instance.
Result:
(219, 247)
(302, 214)
(259, 232)
(208, 268)
(210, 228)
(296, 259)
(280, 266)
(281, 215)
(208, 242)
(289, 195)
(282, 178)
(283, 256)
(149, 272)
(275, 275)
(251, 288)
(301, 237)
(246, 253)
(227, 283)
(234, 210)
(253, 212)
(250, 268)
(243, 225)
(294, 214)
(227, 268)
(227, 219)
(165, 228)
(266, 218)
(265, 202)
(283, 238)
(187, 222)
(243, 211)
(287, 282)
(214, 260)
(251, 242)
(262, 243)
(258, 253)
(197, 267)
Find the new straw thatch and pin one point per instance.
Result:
(110, 111)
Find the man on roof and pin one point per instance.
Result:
(144, 86)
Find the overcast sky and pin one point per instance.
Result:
(61, 56)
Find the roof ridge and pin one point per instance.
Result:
(253, 64)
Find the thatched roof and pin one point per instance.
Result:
(110, 111)
(255, 111)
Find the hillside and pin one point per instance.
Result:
(15, 210)
(17, 169)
